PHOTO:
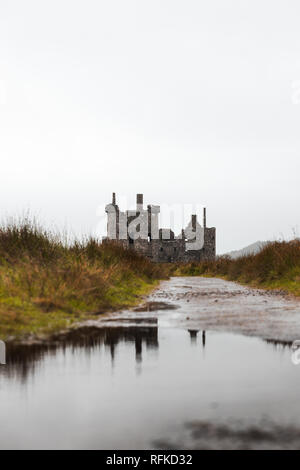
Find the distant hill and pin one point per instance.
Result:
(248, 250)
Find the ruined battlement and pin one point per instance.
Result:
(138, 229)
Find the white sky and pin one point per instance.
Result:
(186, 101)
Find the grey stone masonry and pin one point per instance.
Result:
(139, 230)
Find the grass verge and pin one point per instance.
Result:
(46, 285)
(276, 266)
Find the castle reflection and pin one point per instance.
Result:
(22, 359)
(194, 334)
(131, 334)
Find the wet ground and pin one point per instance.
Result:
(203, 364)
(215, 304)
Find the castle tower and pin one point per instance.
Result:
(112, 211)
(139, 202)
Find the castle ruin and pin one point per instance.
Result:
(139, 230)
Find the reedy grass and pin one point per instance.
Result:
(276, 266)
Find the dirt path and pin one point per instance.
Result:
(215, 304)
(210, 303)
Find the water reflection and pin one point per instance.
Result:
(189, 395)
(194, 334)
(23, 359)
(279, 344)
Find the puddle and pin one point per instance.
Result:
(145, 387)
(215, 304)
(155, 306)
(132, 320)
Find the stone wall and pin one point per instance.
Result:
(209, 249)
(167, 251)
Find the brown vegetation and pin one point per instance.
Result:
(46, 284)
(276, 266)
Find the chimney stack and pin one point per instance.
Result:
(139, 202)
(194, 222)
(204, 217)
(114, 198)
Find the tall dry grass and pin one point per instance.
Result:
(277, 265)
(40, 274)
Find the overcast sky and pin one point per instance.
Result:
(186, 101)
